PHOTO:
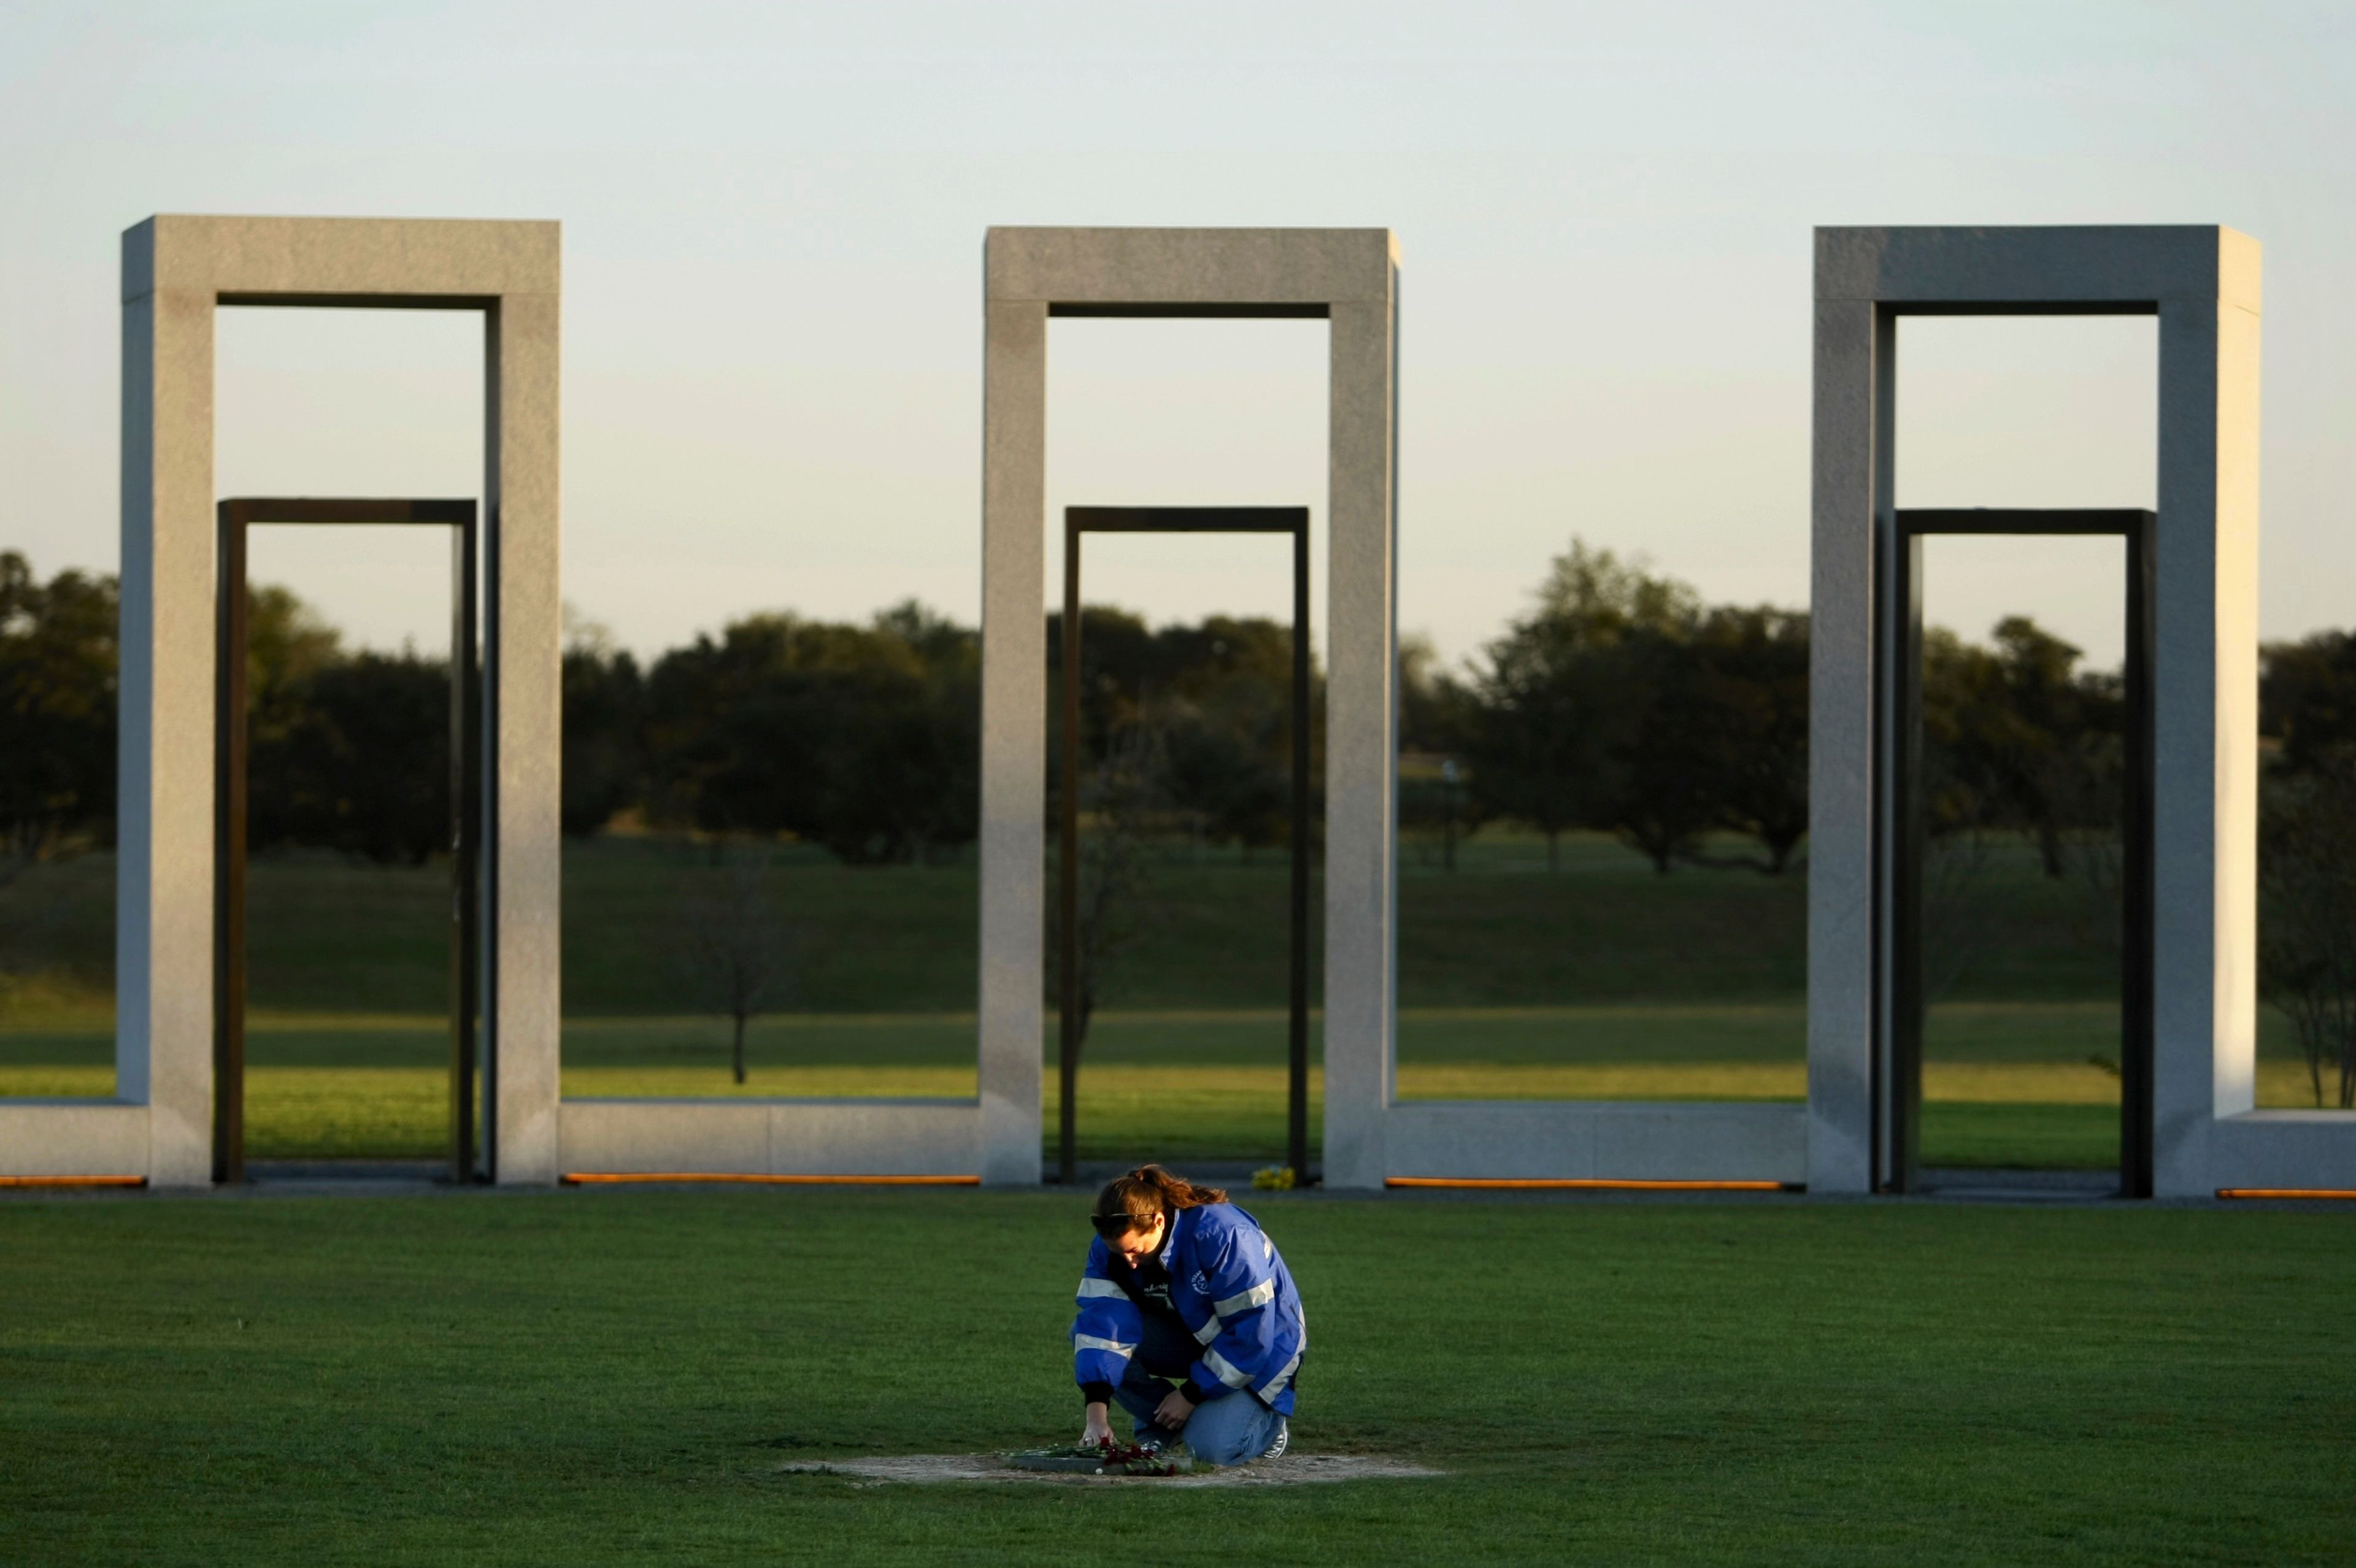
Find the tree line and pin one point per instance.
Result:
(1620, 703)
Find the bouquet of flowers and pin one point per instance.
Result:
(1112, 1459)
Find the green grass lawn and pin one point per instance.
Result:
(618, 1377)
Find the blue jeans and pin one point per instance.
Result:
(1233, 1429)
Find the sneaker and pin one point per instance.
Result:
(1283, 1438)
(1154, 1439)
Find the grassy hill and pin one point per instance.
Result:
(1600, 980)
(331, 935)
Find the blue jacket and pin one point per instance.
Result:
(1231, 1290)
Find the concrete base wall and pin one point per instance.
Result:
(1556, 1140)
(73, 1138)
(1609, 1140)
(2282, 1148)
(772, 1137)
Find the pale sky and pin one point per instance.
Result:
(773, 223)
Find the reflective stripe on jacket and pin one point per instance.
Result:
(1232, 1292)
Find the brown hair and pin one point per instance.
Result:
(1133, 1202)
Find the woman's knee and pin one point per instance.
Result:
(1232, 1430)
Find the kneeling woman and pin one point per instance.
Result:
(1182, 1285)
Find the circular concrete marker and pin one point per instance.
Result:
(1292, 1469)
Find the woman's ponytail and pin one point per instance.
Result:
(1133, 1201)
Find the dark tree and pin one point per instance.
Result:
(285, 643)
(864, 739)
(2016, 738)
(1661, 787)
(2306, 698)
(1221, 780)
(1437, 718)
(737, 953)
(2307, 921)
(57, 712)
(1434, 709)
(1560, 720)
(1752, 713)
(1219, 696)
(362, 763)
(937, 762)
(604, 719)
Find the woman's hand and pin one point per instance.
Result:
(1174, 1410)
(1096, 1433)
